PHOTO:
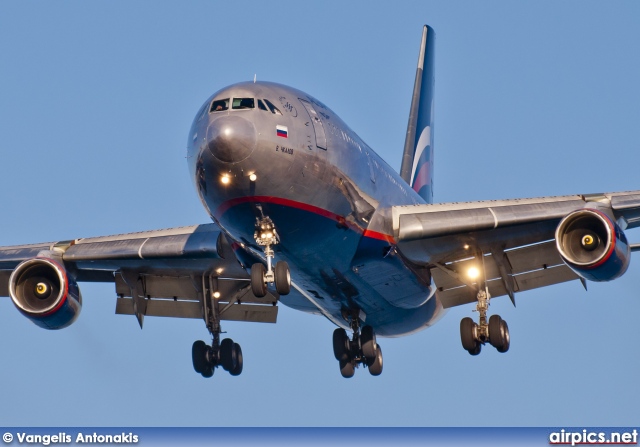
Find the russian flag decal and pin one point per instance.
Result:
(282, 131)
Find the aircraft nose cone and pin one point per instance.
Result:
(231, 139)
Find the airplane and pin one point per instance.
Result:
(304, 213)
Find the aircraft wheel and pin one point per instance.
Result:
(207, 372)
(283, 278)
(258, 286)
(467, 334)
(340, 345)
(228, 358)
(347, 368)
(368, 343)
(238, 369)
(476, 350)
(496, 337)
(505, 337)
(375, 368)
(199, 356)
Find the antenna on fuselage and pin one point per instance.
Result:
(254, 78)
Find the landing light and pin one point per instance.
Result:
(216, 294)
(253, 177)
(473, 273)
(225, 179)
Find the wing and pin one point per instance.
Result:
(511, 241)
(170, 273)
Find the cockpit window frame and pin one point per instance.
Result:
(224, 101)
(273, 108)
(261, 105)
(242, 99)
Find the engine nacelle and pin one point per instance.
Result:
(43, 292)
(593, 245)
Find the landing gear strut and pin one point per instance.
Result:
(361, 349)
(266, 236)
(228, 354)
(474, 335)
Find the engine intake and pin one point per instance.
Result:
(43, 292)
(593, 245)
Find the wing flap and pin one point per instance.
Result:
(526, 281)
(545, 277)
(527, 268)
(519, 261)
(193, 309)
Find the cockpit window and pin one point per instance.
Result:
(220, 105)
(273, 108)
(261, 105)
(243, 103)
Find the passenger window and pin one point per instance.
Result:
(243, 103)
(261, 105)
(273, 108)
(220, 105)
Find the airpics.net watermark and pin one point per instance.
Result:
(65, 438)
(585, 437)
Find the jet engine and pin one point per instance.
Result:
(43, 292)
(593, 245)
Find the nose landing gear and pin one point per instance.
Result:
(266, 236)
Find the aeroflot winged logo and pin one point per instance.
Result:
(282, 131)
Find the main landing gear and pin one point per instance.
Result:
(267, 236)
(474, 335)
(361, 349)
(228, 354)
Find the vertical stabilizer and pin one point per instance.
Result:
(417, 160)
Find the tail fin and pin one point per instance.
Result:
(417, 160)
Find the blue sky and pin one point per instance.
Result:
(532, 99)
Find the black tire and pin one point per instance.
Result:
(375, 368)
(208, 372)
(347, 369)
(467, 329)
(368, 343)
(495, 331)
(228, 358)
(283, 278)
(258, 286)
(238, 369)
(476, 350)
(199, 356)
(505, 336)
(341, 345)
